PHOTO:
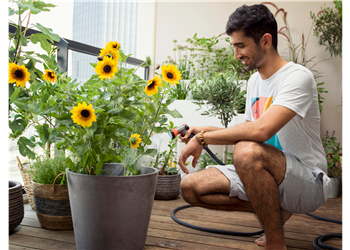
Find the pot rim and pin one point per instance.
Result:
(108, 176)
(17, 184)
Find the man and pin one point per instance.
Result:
(279, 163)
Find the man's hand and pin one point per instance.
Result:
(191, 130)
(192, 148)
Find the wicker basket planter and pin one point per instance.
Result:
(52, 206)
(16, 209)
(168, 187)
(27, 183)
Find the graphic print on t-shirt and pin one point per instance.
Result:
(259, 106)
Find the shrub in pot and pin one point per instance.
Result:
(332, 149)
(168, 184)
(50, 192)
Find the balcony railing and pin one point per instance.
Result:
(65, 44)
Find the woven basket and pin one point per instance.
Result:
(27, 181)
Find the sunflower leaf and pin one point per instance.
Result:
(15, 94)
(126, 114)
(35, 86)
(22, 103)
(43, 131)
(42, 38)
(151, 152)
(65, 119)
(48, 32)
(174, 113)
(91, 130)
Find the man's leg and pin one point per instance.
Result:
(209, 188)
(261, 168)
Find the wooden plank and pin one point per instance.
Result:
(15, 247)
(39, 243)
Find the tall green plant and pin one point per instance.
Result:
(221, 94)
(332, 149)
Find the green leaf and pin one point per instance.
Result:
(91, 130)
(42, 6)
(48, 32)
(17, 125)
(22, 102)
(105, 95)
(43, 39)
(70, 164)
(65, 119)
(151, 152)
(15, 94)
(35, 86)
(34, 108)
(44, 133)
(24, 150)
(174, 113)
(126, 114)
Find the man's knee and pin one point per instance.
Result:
(247, 154)
(187, 188)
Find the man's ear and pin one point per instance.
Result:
(266, 40)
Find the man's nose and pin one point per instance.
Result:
(237, 54)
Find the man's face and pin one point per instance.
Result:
(246, 50)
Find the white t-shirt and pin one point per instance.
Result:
(293, 86)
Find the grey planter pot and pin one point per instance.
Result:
(168, 187)
(111, 211)
(16, 208)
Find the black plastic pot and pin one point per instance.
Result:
(168, 187)
(111, 212)
(16, 208)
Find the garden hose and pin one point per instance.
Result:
(317, 243)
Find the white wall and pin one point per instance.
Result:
(181, 20)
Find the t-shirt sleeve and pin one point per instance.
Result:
(296, 92)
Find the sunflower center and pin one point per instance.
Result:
(133, 140)
(115, 46)
(170, 75)
(19, 73)
(151, 85)
(50, 74)
(107, 69)
(85, 113)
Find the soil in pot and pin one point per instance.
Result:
(52, 206)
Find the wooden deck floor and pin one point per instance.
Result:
(164, 233)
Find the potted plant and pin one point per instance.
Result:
(50, 192)
(168, 184)
(332, 149)
(221, 94)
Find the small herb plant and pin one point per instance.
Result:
(332, 149)
(45, 169)
(165, 161)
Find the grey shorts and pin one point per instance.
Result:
(301, 190)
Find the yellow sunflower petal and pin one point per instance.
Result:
(110, 52)
(152, 85)
(106, 68)
(83, 115)
(113, 45)
(49, 76)
(135, 140)
(171, 74)
(18, 74)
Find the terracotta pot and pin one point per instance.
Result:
(112, 211)
(16, 208)
(52, 206)
(168, 187)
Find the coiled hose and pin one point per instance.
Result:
(317, 243)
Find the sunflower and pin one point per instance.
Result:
(18, 74)
(106, 68)
(83, 115)
(49, 76)
(152, 85)
(171, 74)
(109, 52)
(135, 140)
(113, 45)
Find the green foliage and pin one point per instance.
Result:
(203, 57)
(44, 169)
(332, 149)
(206, 160)
(182, 90)
(328, 28)
(120, 103)
(166, 161)
(222, 96)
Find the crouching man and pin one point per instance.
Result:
(279, 163)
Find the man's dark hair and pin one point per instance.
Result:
(255, 21)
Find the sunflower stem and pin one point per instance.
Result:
(138, 67)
